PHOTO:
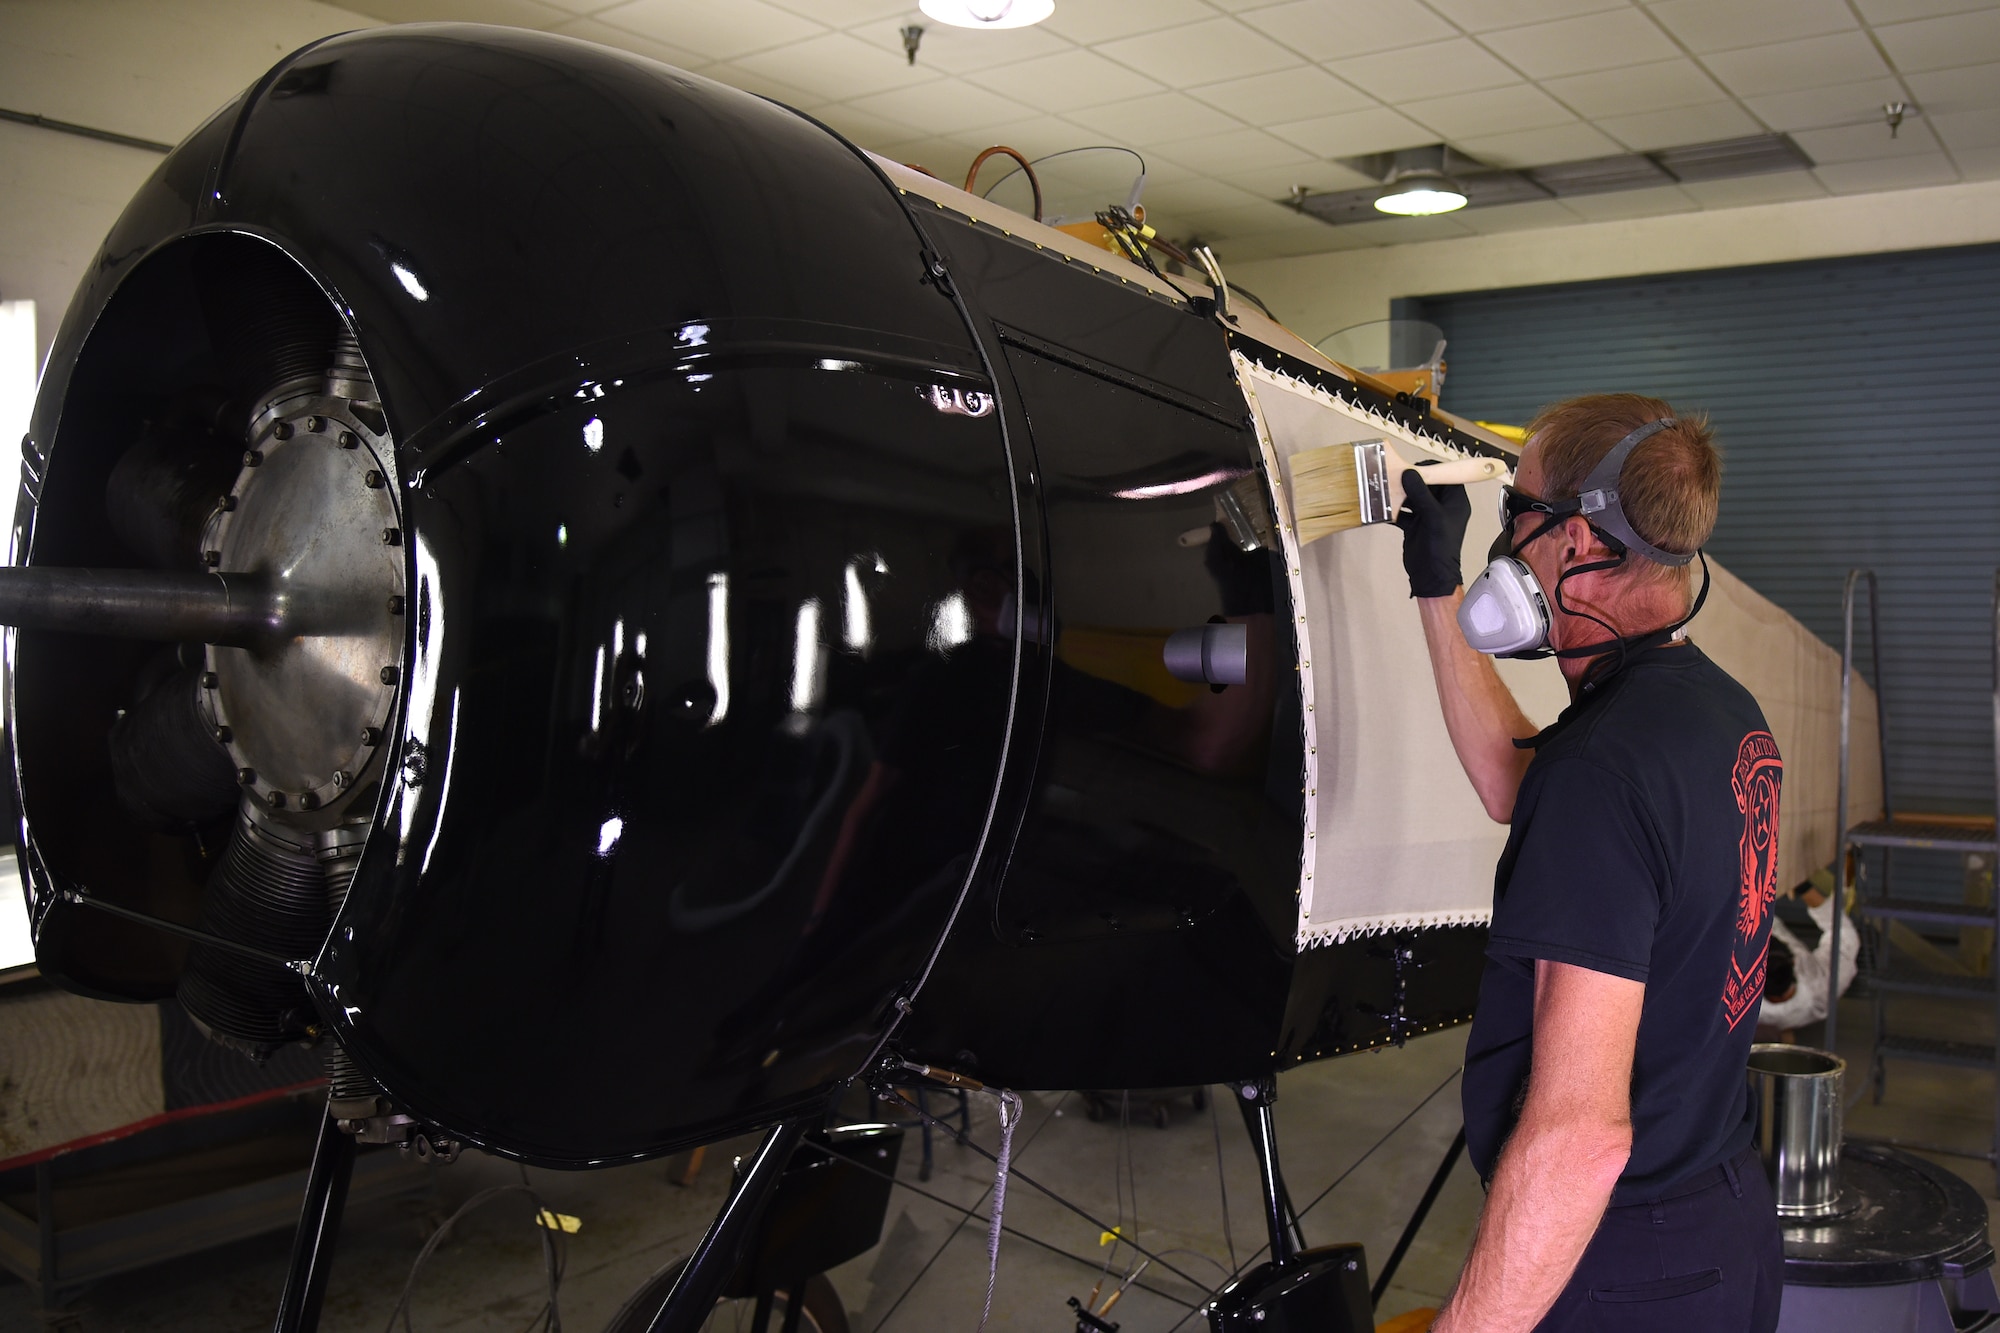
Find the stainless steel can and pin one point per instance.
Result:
(1799, 1126)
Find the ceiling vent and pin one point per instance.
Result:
(1488, 187)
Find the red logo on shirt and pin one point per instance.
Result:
(1754, 782)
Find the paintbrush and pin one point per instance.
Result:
(1344, 486)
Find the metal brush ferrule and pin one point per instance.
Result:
(1371, 471)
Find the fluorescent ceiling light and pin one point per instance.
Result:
(1420, 194)
(988, 13)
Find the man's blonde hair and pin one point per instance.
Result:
(1671, 485)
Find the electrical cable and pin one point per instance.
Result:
(550, 1320)
(1352, 1167)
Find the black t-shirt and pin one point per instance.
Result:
(1644, 845)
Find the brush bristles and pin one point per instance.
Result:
(1326, 491)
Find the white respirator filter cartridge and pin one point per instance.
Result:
(1504, 611)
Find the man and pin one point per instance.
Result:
(1606, 1106)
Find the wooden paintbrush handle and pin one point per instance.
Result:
(1458, 472)
(1462, 471)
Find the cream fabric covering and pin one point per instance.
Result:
(1396, 837)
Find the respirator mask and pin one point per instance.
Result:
(1505, 614)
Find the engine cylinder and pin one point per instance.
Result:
(271, 894)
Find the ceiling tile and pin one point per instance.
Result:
(1624, 92)
(843, 13)
(512, 13)
(1037, 136)
(962, 50)
(1973, 87)
(1621, 204)
(1486, 15)
(1290, 245)
(1777, 188)
(590, 30)
(1239, 150)
(1353, 133)
(1720, 25)
(942, 106)
(1963, 130)
(1978, 164)
(1942, 43)
(871, 132)
(1248, 219)
(1183, 198)
(720, 32)
(1517, 217)
(1156, 118)
(1289, 94)
(1886, 173)
(1863, 143)
(1409, 231)
(938, 156)
(1220, 48)
(1680, 125)
(1489, 111)
(1459, 65)
(1818, 108)
(1321, 31)
(752, 81)
(1066, 81)
(1537, 148)
(1578, 45)
(1277, 182)
(836, 67)
(1087, 22)
(1895, 11)
(1811, 62)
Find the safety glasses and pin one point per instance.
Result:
(1514, 503)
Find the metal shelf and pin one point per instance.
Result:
(1934, 1050)
(1926, 834)
(1919, 909)
(1920, 833)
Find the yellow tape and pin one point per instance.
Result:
(562, 1222)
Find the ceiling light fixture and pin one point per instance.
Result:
(988, 13)
(1420, 194)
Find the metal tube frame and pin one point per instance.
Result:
(319, 1228)
(1842, 883)
(692, 1299)
(1255, 1098)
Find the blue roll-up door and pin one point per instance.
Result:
(1857, 405)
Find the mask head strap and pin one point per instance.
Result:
(1598, 498)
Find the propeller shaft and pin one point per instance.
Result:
(236, 609)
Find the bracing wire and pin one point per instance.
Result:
(971, 1213)
(1046, 1192)
(1221, 1180)
(959, 1226)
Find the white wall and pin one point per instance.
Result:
(154, 69)
(1317, 294)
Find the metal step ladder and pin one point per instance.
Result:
(1882, 971)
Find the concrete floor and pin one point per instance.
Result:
(489, 1275)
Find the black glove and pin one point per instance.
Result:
(1433, 520)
